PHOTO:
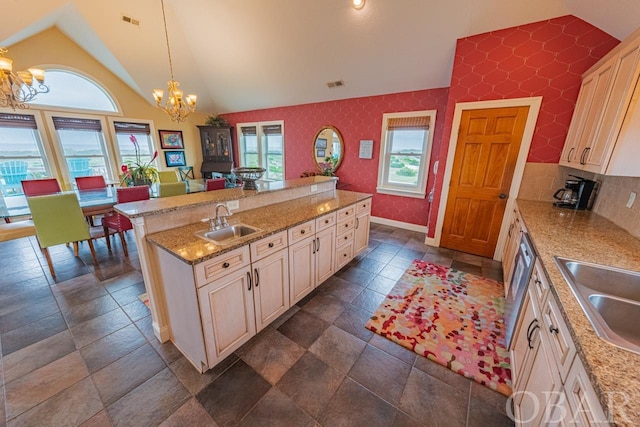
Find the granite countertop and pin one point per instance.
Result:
(586, 236)
(161, 205)
(185, 245)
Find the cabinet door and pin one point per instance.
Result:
(514, 239)
(361, 238)
(521, 344)
(561, 344)
(582, 399)
(570, 154)
(301, 269)
(325, 254)
(614, 111)
(228, 320)
(270, 288)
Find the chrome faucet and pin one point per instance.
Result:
(220, 221)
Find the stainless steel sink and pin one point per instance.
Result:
(610, 297)
(228, 234)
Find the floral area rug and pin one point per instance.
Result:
(451, 317)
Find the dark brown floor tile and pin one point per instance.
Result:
(392, 272)
(124, 281)
(29, 313)
(445, 406)
(401, 262)
(467, 268)
(468, 258)
(310, 383)
(342, 289)
(303, 328)
(145, 326)
(114, 268)
(381, 284)
(493, 274)
(71, 407)
(32, 333)
(127, 373)
(393, 349)
(380, 256)
(106, 350)
(371, 265)
(417, 244)
(81, 313)
(325, 307)
(37, 355)
(442, 373)
(136, 310)
(404, 420)
(273, 355)
(129, 294)
(381, 373)
(369, 300)
(43, 383)
(308, 298)
(353, 405)
(411, 254)
(284, 317)
(193, 380)
(232, 395)
(276, 409)
(16, 298)
(167, 351)
(79, 296)
(191, 414)
(353, 320)
(151, 402)
(391, 248)
(101, 419)
(35, 274)
(481, 414)
(356, 276)
(490, 397)
(338, 348)
(87, 332)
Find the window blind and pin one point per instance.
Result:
(125, 127)
(249, 130)
(18, 121)
(406, 123)
(70, 123)
(272, 130)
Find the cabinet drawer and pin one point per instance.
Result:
(325, 221)
(346, 213)
(540, 283)
(363, 206)
(268, 245)
(345, 238)
(346, 225)
(560, 341)
(302, 231)
(223, 264)
(344, 254)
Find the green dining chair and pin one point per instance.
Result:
(172, 189)
(168, 176)
(58, 219)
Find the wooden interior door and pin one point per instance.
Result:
(485, 158)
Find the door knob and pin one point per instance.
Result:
(502, 196)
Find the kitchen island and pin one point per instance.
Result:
(614, 373)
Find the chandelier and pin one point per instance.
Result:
(16, 89)
(176, 105)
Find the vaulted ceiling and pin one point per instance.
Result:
(240, 55)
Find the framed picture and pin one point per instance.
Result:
(171, 139)
(321, 143)
(175, 158)
(320, 153)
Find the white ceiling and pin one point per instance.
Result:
(250, 54)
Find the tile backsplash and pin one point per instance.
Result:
(541, 180)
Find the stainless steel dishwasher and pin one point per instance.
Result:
(524, 263)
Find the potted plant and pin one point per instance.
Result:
(137, 172)
(217, 121)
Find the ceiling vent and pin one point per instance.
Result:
(130, 20)
(337, 83)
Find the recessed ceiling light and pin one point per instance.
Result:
(358, 4)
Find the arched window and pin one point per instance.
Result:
(72, 90)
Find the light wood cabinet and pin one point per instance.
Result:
(270, 287)
(510, 249)
(361, 236)
(602, 137)
(302, 269)
(324, 256)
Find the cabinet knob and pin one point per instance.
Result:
(553, 329)
(225, 265)
(271, 244)
(326, 221)
(345, 237)
(301, 231)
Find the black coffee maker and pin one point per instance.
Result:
(578, 193)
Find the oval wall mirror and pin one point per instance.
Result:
(328, 150)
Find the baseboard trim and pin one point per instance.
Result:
(400, 224)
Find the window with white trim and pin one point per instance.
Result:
(21, 152)
(262, 145)
(125, 146)
(405, 151)
(73, 90)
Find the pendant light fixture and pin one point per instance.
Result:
(176, 105)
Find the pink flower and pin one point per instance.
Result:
(124, 168)
(155, 154)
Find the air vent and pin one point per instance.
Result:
(130, 20)
(337, 83)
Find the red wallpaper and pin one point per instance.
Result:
(356, 119)
(545, 59)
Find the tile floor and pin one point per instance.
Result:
(80, 351)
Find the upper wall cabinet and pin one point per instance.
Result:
(603, 136)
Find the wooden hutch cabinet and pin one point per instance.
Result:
(217, 150)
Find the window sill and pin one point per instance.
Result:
(401, 193)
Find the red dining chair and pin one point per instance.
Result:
(93, 182)
(40, 187)
(215, 184)
(119, 222)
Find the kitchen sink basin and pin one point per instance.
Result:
(610, 297)
(228, 234)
